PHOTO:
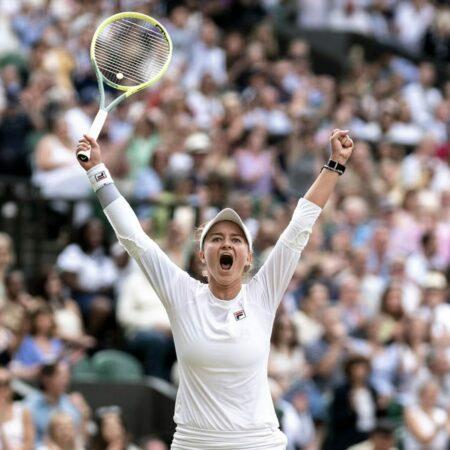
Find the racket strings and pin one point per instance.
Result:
(130, 64)
(128, 53)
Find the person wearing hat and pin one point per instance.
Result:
(222, 328)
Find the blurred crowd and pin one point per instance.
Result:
(361, 343)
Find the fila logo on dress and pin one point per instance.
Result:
(239, 315)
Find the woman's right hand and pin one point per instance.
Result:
(89, 143)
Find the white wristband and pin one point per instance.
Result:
(99, 176)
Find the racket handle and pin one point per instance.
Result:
(94, 131)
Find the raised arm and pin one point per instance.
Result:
(274, 276)
(165, 276)
(322, 188)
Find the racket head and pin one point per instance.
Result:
(130, 51)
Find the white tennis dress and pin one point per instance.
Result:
(223, 399)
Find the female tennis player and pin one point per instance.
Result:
(221, 329)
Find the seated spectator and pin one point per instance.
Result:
(436, 367)
(354, 315)
(295, 418)
(381, 438)
(57, 172)
(307, 318)
(61, 434)
(54, 382)
(384, 358)
(354, 408)
(413, 356)
(435, 308)
(255, 164)
(412, 18)
(111, 430)
(146, 324)
(89, 272)
(39, 347)
(19, 303)
(286, 360)
(68, 319)
(16, 425)
(391, 314)
(326, 354)
(426, 424)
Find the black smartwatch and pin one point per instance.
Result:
(334, 166)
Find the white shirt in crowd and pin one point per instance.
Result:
(412, 23)
(429, 425)
(138, 305)
(96, 270)
(223, 399)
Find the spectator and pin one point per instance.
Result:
(67, 315)
(61, 434)
(54, 381)
(381, 438)
(111, 430)
(307, 318)
(354, 408)
(146, 325)
(19, 304)
(39, 347)
(414, 353)
(206, 58)
(326, 355)
(55, 171)
(16, 426)
(352, 311)
(426, 423)
(255, 163)
(89, 272)
(286, 360)
(391, 314)
(412, 19)
(434, 308)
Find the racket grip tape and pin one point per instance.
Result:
(94, 131)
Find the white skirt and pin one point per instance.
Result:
(188, 438)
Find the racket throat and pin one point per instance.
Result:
(98, 123)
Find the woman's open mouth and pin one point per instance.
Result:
(226, 261)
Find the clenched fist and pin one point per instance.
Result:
(341, 146)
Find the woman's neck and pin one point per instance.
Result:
(225, 292)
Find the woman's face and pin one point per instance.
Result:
(359, 373)
(44, 323)
(226, 253)
(63, 430)
(53, 285)
(112, 428)
(394, 301)
(287, 330)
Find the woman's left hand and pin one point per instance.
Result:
(341, 146)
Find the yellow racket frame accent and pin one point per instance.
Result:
(130, 90)
(94, 131)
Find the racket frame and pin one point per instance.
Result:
(104, 109)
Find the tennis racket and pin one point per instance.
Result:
(129, 52)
